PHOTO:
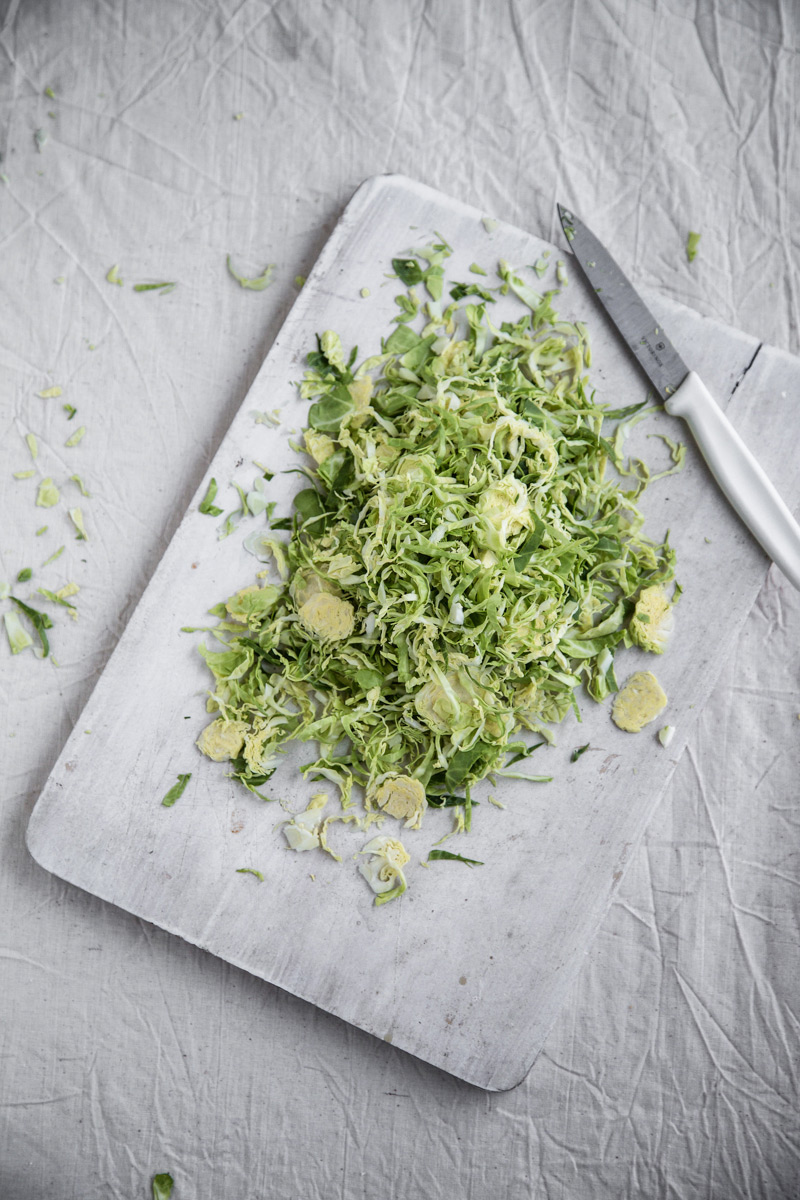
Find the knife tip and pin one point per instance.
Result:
(568, 221)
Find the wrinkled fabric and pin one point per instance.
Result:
(178, 133)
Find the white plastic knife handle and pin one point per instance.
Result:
(738, 474)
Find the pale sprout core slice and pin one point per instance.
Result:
(330, 618)
(403, 798)
(638, 702)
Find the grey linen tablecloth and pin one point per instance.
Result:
(172, 134)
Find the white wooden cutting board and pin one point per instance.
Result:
(468, 969)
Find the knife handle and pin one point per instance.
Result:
(739, 475)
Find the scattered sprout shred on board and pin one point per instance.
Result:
(460, 563)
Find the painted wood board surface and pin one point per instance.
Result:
(469, 968)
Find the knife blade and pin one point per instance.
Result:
(740, 477)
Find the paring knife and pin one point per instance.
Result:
(685, 395)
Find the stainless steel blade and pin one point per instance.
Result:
(659, 359)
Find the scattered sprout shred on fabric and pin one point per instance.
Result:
(256, 283)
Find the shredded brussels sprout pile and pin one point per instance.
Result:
(459, 565)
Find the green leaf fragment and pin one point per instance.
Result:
(446, 856)
(50, 393)
(69, 409)
(56, 554)
(40, 622)
(164, 287)
(250, 871)
(24, 474)
(33, 445)
(207, 505)
(401, 341)
(76, 436)
(48, 494)
(24, 575)
(76, 516)
(162, 1186)
(229, 524)
(409, 307)
(522, 775)
(476, 270)
(18, 637)
(692, 244)
(265, 418)
(255, 284)
(408, 270)
(434, 281)
(396, 892)
(42, 529)
(677, 453)
(244, 507)
(76, 479)
(330, 345)
(460, 290)
(578, 752)
(309, 505)
(62, 597)
(175, 793)
(257, 501)
(525, 752)
(113, 275)
(614, 414)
